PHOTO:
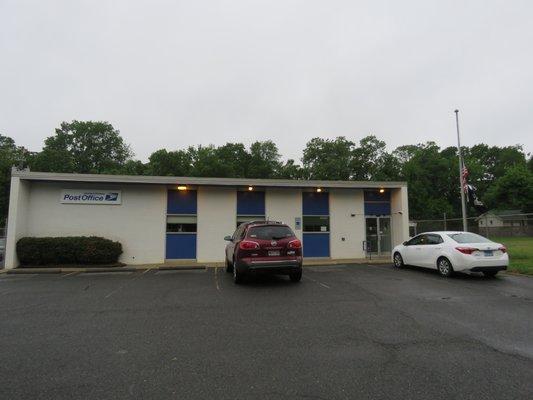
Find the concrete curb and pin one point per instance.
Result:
(95, 270)
(24, 271)
(108, 269)
(181, 267)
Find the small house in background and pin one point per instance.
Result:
(502, 218)
(412, 228)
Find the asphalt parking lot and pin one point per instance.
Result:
(344, 332)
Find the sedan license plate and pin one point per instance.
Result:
(273, 253)
(488, 253)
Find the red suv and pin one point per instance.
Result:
(264, 246)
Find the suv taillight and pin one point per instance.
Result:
(248, 245)
(294, 244)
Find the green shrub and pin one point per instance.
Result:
(68, 250)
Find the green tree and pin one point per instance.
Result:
(368, 158)
(10, 155)
(134, 167)
(232, 160)
(227, 161)
(83, 147)
(432, 190)
(328, 159)
(514, 190)
(290, 170)
(264, 160)
(169, 163)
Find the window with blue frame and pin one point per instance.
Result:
(250, 206)
(181, 224)
(315, 222)
(377, 202)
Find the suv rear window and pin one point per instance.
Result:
(270, 232)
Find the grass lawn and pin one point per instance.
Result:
(520, 253)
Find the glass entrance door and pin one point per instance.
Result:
(378, 235)
(384, 235)
(371, 235)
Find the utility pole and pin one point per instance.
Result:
(461, 165)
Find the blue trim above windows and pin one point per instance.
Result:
(314, 203)
(250, 203)
(374, 195)
(181, 202)
(316, 244)
(377, 208)
(181, 246)
(377, 203)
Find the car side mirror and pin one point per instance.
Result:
(405, 243)
(228, 238)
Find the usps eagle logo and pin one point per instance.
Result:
(111, 197)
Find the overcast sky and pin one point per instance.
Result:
(178, 73)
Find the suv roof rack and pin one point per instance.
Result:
(264, 221)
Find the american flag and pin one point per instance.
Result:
(464, 178)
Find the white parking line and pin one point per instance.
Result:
(216, 279)
(320, 283)
(126, 284)
(69, 274)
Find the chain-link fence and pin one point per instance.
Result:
(488, 225)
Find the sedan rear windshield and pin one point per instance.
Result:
(468, 238)
(270, 232)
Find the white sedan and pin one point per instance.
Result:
(452, 251)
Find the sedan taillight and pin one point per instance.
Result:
(294, 244)
(503, 249)
(466, 250)
(248, 245)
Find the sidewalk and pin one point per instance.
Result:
(178, 266)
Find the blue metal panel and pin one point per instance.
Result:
(181, 202)
(250, 203)
(374, 195)
(315, 203)
(377, 208)
(316, 244)
(181, 246)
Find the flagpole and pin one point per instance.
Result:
(461, 165)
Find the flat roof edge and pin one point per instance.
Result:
(200, 181)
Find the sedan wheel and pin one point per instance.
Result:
(398, 260)
(229, 266)
(445, 267)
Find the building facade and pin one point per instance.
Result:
(171, 219)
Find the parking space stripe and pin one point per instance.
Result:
(317, 282)
(216, 279)
(127, 283)
(69, 274)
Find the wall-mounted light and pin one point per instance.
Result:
(181, 187)
(318, 190)
(381, 190)
(250, 188)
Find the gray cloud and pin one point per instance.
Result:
(172, 74)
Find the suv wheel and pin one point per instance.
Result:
(296, 276)
(238, 277)
(445, 267)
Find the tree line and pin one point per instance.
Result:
(503, 176)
